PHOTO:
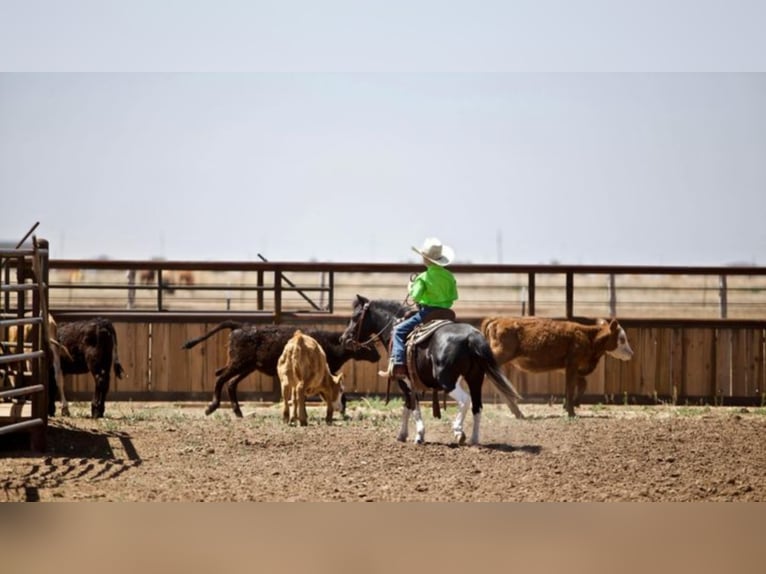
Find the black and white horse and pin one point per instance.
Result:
(453, 351)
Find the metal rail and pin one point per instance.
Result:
(720, 299)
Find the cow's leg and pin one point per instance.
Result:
(98, 406)
(59, 376)
(286, 392)
(406, 410)
(327, 397)
(303, 418)
(580, 390)
(463, 402)
(571, 377)
(231, 389)
(294, 398)
(224, 375)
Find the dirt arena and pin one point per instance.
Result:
(172, 452)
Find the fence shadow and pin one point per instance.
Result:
(72, 454)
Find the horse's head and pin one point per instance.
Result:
(359, 328)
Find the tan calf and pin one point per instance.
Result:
(536, 344)
(303, 371)
(55, 350)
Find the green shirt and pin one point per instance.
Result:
(434, 287)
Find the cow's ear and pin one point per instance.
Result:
(613, 325)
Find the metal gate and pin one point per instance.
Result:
(23, 338)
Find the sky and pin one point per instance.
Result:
(357, 147)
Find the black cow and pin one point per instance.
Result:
(92, 346)
(258, 348)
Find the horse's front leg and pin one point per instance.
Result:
(420, 427)
(406, 410)
(463, 402)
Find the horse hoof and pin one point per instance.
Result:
(402, 438)
(238, 413)
(210, 409)
(420, 440)
(460, 438)
(65, 412)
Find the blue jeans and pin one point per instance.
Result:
(401, 330)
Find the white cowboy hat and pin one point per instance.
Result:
(434, 251)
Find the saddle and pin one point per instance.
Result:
(419, 336)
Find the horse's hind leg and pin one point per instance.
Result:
(474, 383)
(463, 402)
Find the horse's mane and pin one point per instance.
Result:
(394, 307)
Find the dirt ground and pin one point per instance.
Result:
(172, 452)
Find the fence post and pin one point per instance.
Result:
(260, 290)
(277, 296)
(723, 296)
(523, 299)
(570, 294)
(612, 296)
(159, 289)
(531, 284)
(331, 291)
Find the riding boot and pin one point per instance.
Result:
(388, 373)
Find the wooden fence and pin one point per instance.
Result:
(697, 332)
(694, 362)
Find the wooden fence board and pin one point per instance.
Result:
(133, 348)
(677, 364)
(723, 364)
(662, 362)
(699, 355)
(162, 368)
(747, 363)
(644, 344)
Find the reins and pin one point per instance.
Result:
(375, 336)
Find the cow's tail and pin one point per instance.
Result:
(481, 350)
(118, 370)
(299, 353)
(220, 327)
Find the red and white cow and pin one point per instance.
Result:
(537, 344)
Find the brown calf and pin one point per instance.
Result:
(92, 348)
(536, 344)
(303, 371)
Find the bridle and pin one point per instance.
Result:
(372, 339)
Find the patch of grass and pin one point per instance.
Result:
(690, 411)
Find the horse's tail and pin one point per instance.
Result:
(220, 327)
(481, 350)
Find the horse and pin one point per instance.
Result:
(453, 351)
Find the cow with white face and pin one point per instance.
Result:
(537, 344)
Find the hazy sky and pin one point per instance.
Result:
(337, 161)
